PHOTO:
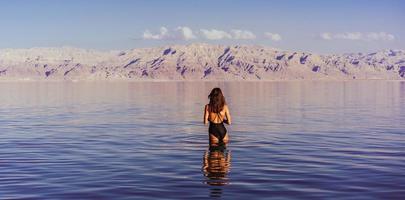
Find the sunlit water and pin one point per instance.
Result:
(289, 140)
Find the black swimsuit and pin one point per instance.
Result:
(218, 130)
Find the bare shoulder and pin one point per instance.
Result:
(226, 107)
(206, 106)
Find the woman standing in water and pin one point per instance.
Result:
(216, 112)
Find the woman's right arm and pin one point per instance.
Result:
(228, 115)
(206, 113)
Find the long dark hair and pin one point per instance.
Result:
(217, 100)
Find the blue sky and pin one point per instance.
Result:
(313, 25)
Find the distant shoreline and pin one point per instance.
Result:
(160, 81)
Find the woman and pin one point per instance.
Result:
(217, 113)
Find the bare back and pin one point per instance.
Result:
(217, 117)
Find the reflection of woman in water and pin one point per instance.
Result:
(216, 112)
(216, 166)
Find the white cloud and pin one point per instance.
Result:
(236, 34)
(326, 36)
(273, 36)
(380, 36)
(242, 35)
(214, 34)
(181, 32)
(370, 36)
(186, 33)
(164, 34)
(349, 36)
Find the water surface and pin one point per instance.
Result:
(117, 140)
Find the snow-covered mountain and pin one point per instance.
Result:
(196, 62)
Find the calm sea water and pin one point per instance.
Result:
(289, 140)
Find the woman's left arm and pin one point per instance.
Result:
(228, 115)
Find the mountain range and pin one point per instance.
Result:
(197, 62)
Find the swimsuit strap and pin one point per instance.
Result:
(219, 116)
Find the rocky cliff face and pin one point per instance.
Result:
(196, 62)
